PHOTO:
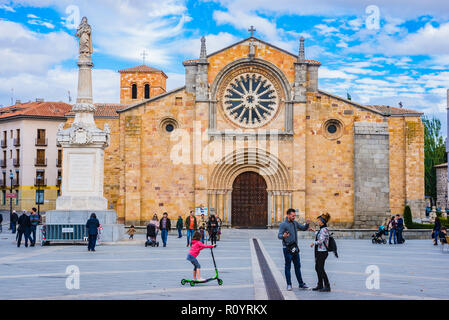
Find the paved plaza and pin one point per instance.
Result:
(128, 270)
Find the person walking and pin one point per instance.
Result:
(164, 226)
(34, 219)
(392, 226)
(400, 228)
(191, 226)
(14, 219)
(131, 232)
(24, 229)
(321, 244)
(154, 221)
(202, 227)
(212, 227)
(436, 231)
(219, 228)
(289, 236)
(179, 226)
(92, 226)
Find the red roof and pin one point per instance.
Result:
(36, 109)
(104, 110)
(394, 110)
(143, 68)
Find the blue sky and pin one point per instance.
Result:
(381, 52)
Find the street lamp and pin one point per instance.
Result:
(11, 176)
(39, 177)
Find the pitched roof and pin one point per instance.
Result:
(143, 69)
(443, 165)
(394, 111)
(104, 110)
(45, 109)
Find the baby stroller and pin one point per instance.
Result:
(151, 236)
(378, 236)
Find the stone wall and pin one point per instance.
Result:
(371, 174)
(441, 186)
(157, 82)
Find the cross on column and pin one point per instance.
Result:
(144, 55)
(251, 30)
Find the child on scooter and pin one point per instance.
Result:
(194, 251)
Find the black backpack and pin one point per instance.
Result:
(332, 247)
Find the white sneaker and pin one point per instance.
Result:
(289, 288)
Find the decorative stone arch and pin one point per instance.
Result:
(272, 170)
(269, 68)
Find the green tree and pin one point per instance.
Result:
(434, 153)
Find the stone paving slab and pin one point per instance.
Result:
(128, 270)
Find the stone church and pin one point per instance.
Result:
(251, 135)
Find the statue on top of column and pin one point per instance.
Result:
(84, 33)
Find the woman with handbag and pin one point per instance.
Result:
(321, 244)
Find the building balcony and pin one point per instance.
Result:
(40, 182)
(40, 162)
(58, 163)
(2, 183)
(41, 142)
(3, 143)
(16, 162)
(17, 142)
(3, 163)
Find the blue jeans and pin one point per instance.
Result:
(190, 233)
(194, 261)
(392, 234)
(33, 234)
(13, 227)
(288, 264)
(92, 241)
(164, 234)
(26, 233)
(399, 235)
(436, 233)
(179, 232)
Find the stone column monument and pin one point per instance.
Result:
(83, 156)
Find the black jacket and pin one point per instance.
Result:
(24, 222)
(92, 226)
(1, 218)
(437, 226)
(212, 226)
(179, 224)
(14, 217)
(168, 226)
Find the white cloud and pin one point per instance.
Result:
(7, 8)
(214, 42)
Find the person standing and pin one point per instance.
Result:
(14, 219)
(24, 229)
(34, 219)
(400, 228)
(202, 227)
(179, 225)
(436, 231)
(131, 232)
(289, 236)
(219, 228)
(321, 244)
(191, 226)
(212, 227)
(1, 221)
(392, 226)
(164, 226)
(92, 226)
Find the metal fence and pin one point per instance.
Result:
(73, 233)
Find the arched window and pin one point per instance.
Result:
(134, 91)
(147, 91)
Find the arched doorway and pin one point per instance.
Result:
(249, 201)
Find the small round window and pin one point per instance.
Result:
(169, 128)
(333, 129)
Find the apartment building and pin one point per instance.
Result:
(30, 155)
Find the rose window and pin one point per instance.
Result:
(250, 100)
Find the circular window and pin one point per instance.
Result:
(169, 128)
(250, 100)
(333, 129)
(168, 125)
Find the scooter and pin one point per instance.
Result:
(193, 282)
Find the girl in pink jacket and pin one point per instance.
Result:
(194, 251)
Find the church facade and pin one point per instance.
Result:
(251, 135)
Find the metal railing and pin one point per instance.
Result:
(15, 182)
(3, 143)
(17, 142)
(3, 163)
(40, 162)
(40, 182)
(16, 162)
(2, 183)
(41, 142)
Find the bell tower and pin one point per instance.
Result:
(141, 83)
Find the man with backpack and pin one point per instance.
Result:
(289, 236)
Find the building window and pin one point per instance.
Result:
(134, 91)
(40, 197)
(333, 129)
(4, 197)
(168, 125)
(40, 157)
(147, 91)
(178, 101)
(17, 197)
(41, 140)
